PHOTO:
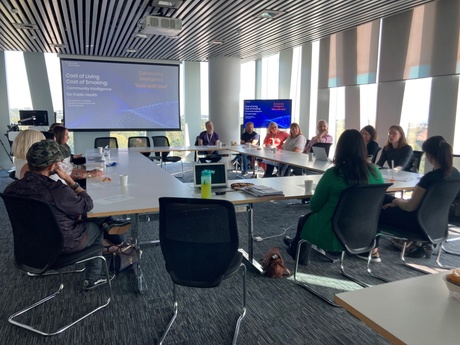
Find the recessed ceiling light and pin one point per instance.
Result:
(26, 26)
(216, 42)
(14, 10)
(89, 45)
(60, 46)
(131, 50)
(139, 35)
(270, 14)
(167, 3)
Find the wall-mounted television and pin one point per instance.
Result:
(104, 95)
(264, 111)
(33, 117)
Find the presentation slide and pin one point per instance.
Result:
(106, 95)
(264, 111)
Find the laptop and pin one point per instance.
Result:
(218, 178)
(320, 153)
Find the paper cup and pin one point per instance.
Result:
(308, 185)
(124, 180)
(100, 150)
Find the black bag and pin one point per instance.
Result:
(124, 258)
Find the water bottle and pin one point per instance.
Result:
(107, 155)
(206, 184)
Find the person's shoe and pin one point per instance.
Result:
(374, 258)
(116, 227)
(89, 284)
(288, 240)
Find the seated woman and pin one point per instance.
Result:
(295, 142)
(62, 136)
(21, 145)
(370, 139)
(351, 168)
(401, 212)
(274, 139)
(397, 152)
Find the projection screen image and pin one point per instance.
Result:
(105, 95)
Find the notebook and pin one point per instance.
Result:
(218, 179)
(320, 153)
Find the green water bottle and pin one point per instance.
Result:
(206, 184)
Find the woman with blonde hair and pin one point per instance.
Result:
(21, 145)
(295, 142)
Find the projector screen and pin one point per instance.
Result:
(106, 95)
(264, 111)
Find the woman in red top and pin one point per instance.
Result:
(274, 138)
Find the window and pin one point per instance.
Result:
(270, 77)
(17, 84)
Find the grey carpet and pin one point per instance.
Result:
(279, 312)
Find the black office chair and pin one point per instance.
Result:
(37, 248)
(112, 142)
(414, 162)
(139, 142)
(199, 242)
(355, 229)
(432, 218)
(163, 157)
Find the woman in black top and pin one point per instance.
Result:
(397, 152)
(401, 212)
(370, 136)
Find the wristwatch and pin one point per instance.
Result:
(89, 174)
(75, 186)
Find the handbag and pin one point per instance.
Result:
(124, 258)
(273, 264)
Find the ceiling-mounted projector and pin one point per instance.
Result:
(154, 25)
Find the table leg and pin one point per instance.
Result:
(141, 284)
(249, 255)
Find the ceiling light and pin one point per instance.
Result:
(14, 10)
(270, 14)
(59, 46)
(216, 42)
(139, 35)
(167, 3)
(26, 26)
(131, 50)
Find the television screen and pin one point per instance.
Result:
(115, 95)
(264, 111)
(33, 117)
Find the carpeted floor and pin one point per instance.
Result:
(279, 312)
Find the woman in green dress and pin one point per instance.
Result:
(351, 168)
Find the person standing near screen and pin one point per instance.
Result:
(209, 138)
(322, 135)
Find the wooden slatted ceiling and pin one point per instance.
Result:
(108, 27)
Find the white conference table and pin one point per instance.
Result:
(410, 311)
(147, 182)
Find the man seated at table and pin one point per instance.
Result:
(248, 137)
(322, 135)
(209, 138)
(70, 203)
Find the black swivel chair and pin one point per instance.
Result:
(37, 248)
(112, 142)
(432, 220)
(164, 157)
(139, 142)
(355, 229)
(199, 242)
(414, 162)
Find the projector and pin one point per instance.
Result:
(154, 25)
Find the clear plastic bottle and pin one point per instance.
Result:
(206, 184)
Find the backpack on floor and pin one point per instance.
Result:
(273, 264)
